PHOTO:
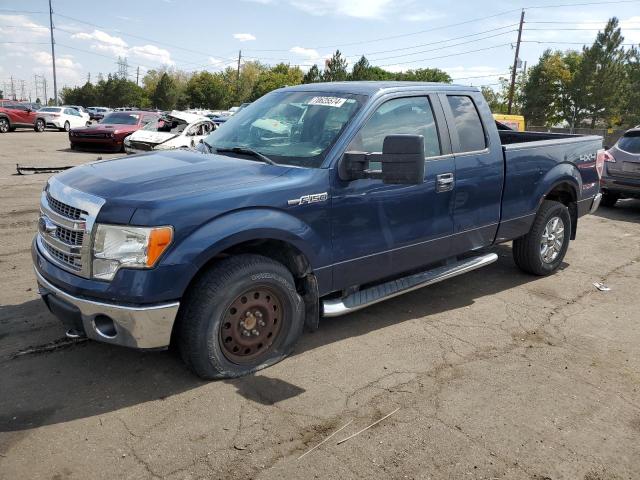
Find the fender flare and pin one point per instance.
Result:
(564, 173)
(239, 226)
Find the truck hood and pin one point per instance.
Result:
(161, 176)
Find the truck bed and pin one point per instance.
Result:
(508, 137)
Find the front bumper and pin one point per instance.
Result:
(130, 326)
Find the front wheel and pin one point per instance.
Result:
(40, 125)
(67, 126)
(4, 125)
(240, 316)
(541, 251)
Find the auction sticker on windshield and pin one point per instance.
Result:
(328, 101)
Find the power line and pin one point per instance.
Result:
(446, 56)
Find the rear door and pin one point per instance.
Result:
(381, 230)
(479, 171)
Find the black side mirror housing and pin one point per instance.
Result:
(402, 161)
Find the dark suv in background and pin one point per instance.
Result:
(621, 178)
(19, 115)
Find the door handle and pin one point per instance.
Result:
(444, 182)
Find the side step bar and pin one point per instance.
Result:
(378, 293)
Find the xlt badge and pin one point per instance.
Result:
(312, 198)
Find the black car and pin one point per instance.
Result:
(621, 177)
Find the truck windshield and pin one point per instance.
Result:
(292, 128)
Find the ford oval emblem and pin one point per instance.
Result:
(46, 226)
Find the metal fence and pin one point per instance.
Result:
(610, 136)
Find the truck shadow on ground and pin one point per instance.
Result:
(90, 378)
(626, 210)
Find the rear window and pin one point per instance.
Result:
(468, 124)
(630, 142)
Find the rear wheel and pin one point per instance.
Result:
(541, 251)
(39, 126)
(240, 316)
(609, 199)
(4, 125)
(67, 126)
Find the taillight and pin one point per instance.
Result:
(600, 159)
(609, 158)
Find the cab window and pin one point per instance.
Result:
(467, 123)
(409, 116)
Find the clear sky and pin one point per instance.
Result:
(472, 40)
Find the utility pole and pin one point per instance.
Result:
(13, 89)
(53, 57)
(137, 75)
(515, 64)
(22, 92)
(238, 75)
(44, 83)
(89, 77)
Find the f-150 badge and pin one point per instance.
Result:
(312, 198)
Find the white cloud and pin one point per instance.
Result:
(307, 53)
(19, 28)
(628, 26)
(350, 8)
(102, 37)
(153, 53)
(68, 71)
(423, 16)
(244, 37)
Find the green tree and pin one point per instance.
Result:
(631, 110)
(336, 68)
(279, 76)
(165, 94)
(543, 90)
(603, 73)
(360, 70)
(313, 75)
(206, 90)
(425, 75)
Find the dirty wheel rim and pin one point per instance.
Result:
(40, 125)
(4, 125)
(251, 325)
(552, 240)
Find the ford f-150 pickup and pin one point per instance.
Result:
(316, 200)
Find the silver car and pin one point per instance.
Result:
(621, 177)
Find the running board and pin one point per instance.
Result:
(384, 291)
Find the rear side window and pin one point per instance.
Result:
(409, 116)
(468, 124)
(630, 142)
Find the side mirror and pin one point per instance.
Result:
(402, 161)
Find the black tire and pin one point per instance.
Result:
(528, 250)
(5, 126)
(609, 199)
(207, 320)
(67, 126)
(40, 125)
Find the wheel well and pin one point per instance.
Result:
(291, 257)
(566, 194)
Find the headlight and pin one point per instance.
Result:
(118, 246)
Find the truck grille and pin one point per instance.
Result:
(64, 209)
(72, 261)
(70, 237)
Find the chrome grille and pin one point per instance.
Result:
(65, 225)
(70, 237)
(72, 261)
(64, 209)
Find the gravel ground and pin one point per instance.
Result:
(496, 374)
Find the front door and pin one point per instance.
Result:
(381, 230)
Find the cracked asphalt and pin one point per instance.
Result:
(496, 375)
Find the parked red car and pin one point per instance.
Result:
(110, 133)
(19, 115)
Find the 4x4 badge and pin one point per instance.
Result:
(312, 198)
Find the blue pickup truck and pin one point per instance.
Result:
(316, 200)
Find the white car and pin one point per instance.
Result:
(63, 118)
(175, 130)
(83, 111)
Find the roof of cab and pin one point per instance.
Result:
(373, 87)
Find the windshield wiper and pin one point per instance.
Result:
(247, 151)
